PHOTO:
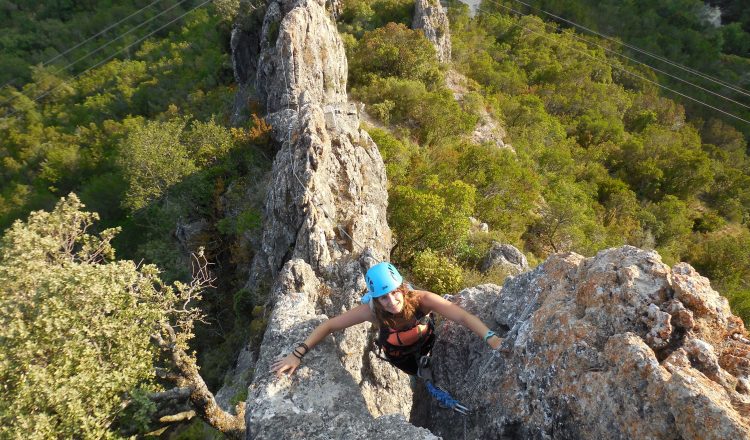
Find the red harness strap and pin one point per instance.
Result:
(397, 343)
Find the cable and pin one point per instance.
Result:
(643, 64)
(637, 49)
(641, 77)
(122, 35)
(110, 41)
(101, 32)
(111, 56)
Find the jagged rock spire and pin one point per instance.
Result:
(301, 52)
(431, 18)
(324, 225)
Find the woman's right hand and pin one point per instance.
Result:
(287, 364)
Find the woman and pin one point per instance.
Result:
(403, 317)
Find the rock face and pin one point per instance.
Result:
(431, 18)
(487, 130)
(507, 257)
(301, 51)
(324, 225)
(614, 346)
(323, 399)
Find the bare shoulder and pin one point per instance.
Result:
(426, 299)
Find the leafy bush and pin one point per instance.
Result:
(436, 217)
(75, 326)
(436, 273)
(394, 51)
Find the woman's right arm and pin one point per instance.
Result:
(352, 317)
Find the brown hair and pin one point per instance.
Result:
(388, 319)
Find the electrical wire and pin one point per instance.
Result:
(643, 64)
(643, 51)
(105, 44)
(101, 32)
(637, 76)
(64, 82)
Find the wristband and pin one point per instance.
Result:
(303, 345)
(489, 334)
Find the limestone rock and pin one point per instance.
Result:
(328, 197)
(431, 18)
(335, 7)
(324, 225)
(505, 256)
(323, 399)
(301, 51)
(487, 130)
(614, 346)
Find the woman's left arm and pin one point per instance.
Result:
(436, 303)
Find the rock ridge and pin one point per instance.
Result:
(430, 17)
(324, 224)
(614, 346)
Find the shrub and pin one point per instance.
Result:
(436, 273)
(75, 326)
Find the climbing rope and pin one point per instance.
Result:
(446, 400)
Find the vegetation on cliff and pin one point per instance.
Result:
(599, 158)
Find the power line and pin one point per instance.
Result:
(111, 56)
(645, 64)
(109, 41)
(101, 32)
(123, 35)
(637, 49)
(636, 75)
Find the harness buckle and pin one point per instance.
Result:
(424, 370)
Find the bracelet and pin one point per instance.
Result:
(303, 345)
(300, 354)
(489, 334)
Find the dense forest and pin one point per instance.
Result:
(127, 105)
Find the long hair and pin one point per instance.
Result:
(388, 319)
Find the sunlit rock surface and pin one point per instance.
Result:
(614, 346)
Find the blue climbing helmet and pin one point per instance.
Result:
(381, 279)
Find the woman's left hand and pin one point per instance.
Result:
(495, 342)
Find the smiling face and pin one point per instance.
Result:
(392, 302)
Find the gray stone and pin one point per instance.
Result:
(580, 362)
(505, 256)
(430, 17)
(301, 51)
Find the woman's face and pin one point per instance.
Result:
(393, 302)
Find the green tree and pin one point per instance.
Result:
(75, 326)
(434, 217)
(153, 159)
(394, 50)
(78, 331)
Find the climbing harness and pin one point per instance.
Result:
(406, 342)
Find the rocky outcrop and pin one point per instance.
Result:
(614, 346)
(324, 225)
(335, 7)
(487, 130)
(301, 51)
(505, 257)
(324, 399)
(430, 17)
